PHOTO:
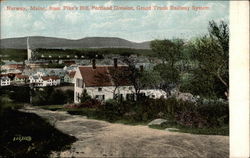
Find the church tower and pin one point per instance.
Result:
(29, 51)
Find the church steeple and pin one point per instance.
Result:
(29, 51)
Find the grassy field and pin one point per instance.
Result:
(93, 114)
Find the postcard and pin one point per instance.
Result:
(124, 78)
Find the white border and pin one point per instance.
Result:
(239, 79)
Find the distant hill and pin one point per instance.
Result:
(62, 43)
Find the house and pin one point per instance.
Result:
(12, 68)
(36, 80)
(44, 81)
(21, 78)
(69, 77)
(102, 82)
(4, 81)
(50, 81)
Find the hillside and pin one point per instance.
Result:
(62, 43)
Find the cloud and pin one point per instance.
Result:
(134, 25)
(39, 25)
(10, 18)
(50, 14)
(73, 17)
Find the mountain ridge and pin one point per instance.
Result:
(63, 43)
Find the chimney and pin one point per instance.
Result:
(141, 68)
(115, 63)
(93, 64)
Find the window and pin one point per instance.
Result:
(79, 83)
(100, 97)
(99, 89)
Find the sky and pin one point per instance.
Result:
(134, 25)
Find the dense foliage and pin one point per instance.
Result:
(205, 60)
(50, 96)
(13, 54)
(88, 53)
(197, 115)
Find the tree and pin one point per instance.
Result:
(212, 53)
(134, 74)
(170, 51)
(85, 96)
(150, 79)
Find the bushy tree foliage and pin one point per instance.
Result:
(170, 51)
(212, 54)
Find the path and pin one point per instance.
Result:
(102, 139)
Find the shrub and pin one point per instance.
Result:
(57, 97)
(5, 102)
(51, 96)
(191, 119)
(112, 110)
(69, 96)
(216, 113)
(85, 96)
(90, 103)
(213, 114)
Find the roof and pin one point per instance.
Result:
(13, 66)
(2, 75)
(69, 62)
(50, 77)
(5, 78)
(22, 76)
(104, 76)
(72, 74)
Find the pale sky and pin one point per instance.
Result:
(133, 25)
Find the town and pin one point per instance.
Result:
(93, 96)
(78, 74)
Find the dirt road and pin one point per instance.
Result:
(102, 139)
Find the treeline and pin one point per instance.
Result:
(13, 54)
(89, 53)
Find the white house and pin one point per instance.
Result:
(107, 82)
(5, 81)
(99, 83)
(50, 81)
(69, 77)
(37, 80)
